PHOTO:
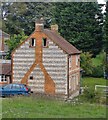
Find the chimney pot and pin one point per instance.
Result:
(54, 28)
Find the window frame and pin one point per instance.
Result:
(70, 61)
(77, 60)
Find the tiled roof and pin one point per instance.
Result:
(65, 45)
(5, 68)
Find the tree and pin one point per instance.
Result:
(21, 16)
(81, 24)
(86, 63)
(106, 38)
(106, 29)
(14, 41)
(12, 15)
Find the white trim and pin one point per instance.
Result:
(39, 24)
(100, 86)
(77, 60)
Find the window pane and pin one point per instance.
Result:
(44, 42)
(32, 42)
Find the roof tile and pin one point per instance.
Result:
(65, 45)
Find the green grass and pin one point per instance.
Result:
(91, 82)
(98, 59)
(0, 109)
(32, 107)
(36, 107)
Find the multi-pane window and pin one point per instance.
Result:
(3, 78)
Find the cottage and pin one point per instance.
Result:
(47, 63)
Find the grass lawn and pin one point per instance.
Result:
(35, 107)
(91, 81)
(32, 107)
(0, 109)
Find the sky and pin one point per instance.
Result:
(101, 1)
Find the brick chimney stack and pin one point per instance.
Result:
(39, 25)
(54, 28)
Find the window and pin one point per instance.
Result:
(0, 56)
(77, 80)
(32, 42)
(70, 61)
(3, 78)
(77, 60)
(31, 77)
(44, 42)
(8, 86)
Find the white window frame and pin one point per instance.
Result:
(3, 78)
(0, 78)
(77, 60)
(70, 61)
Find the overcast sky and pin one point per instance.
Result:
(101, 1)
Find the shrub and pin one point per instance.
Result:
(86, 63)
(97, 71)
(92, 96)
(102, 100)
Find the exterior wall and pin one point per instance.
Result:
(37, 83)
(74, 73)
(22, 60)
(54, 61)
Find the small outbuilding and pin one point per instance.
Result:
(5, 73)
(5, 65)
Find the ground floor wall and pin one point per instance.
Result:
(74, 82)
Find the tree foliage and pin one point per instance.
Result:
(86, 63)
(106, 38)
(106, 28)
(21, 16)
(14, 41)
(81, 25)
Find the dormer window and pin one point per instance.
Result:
(32, 42)
(44, 42)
